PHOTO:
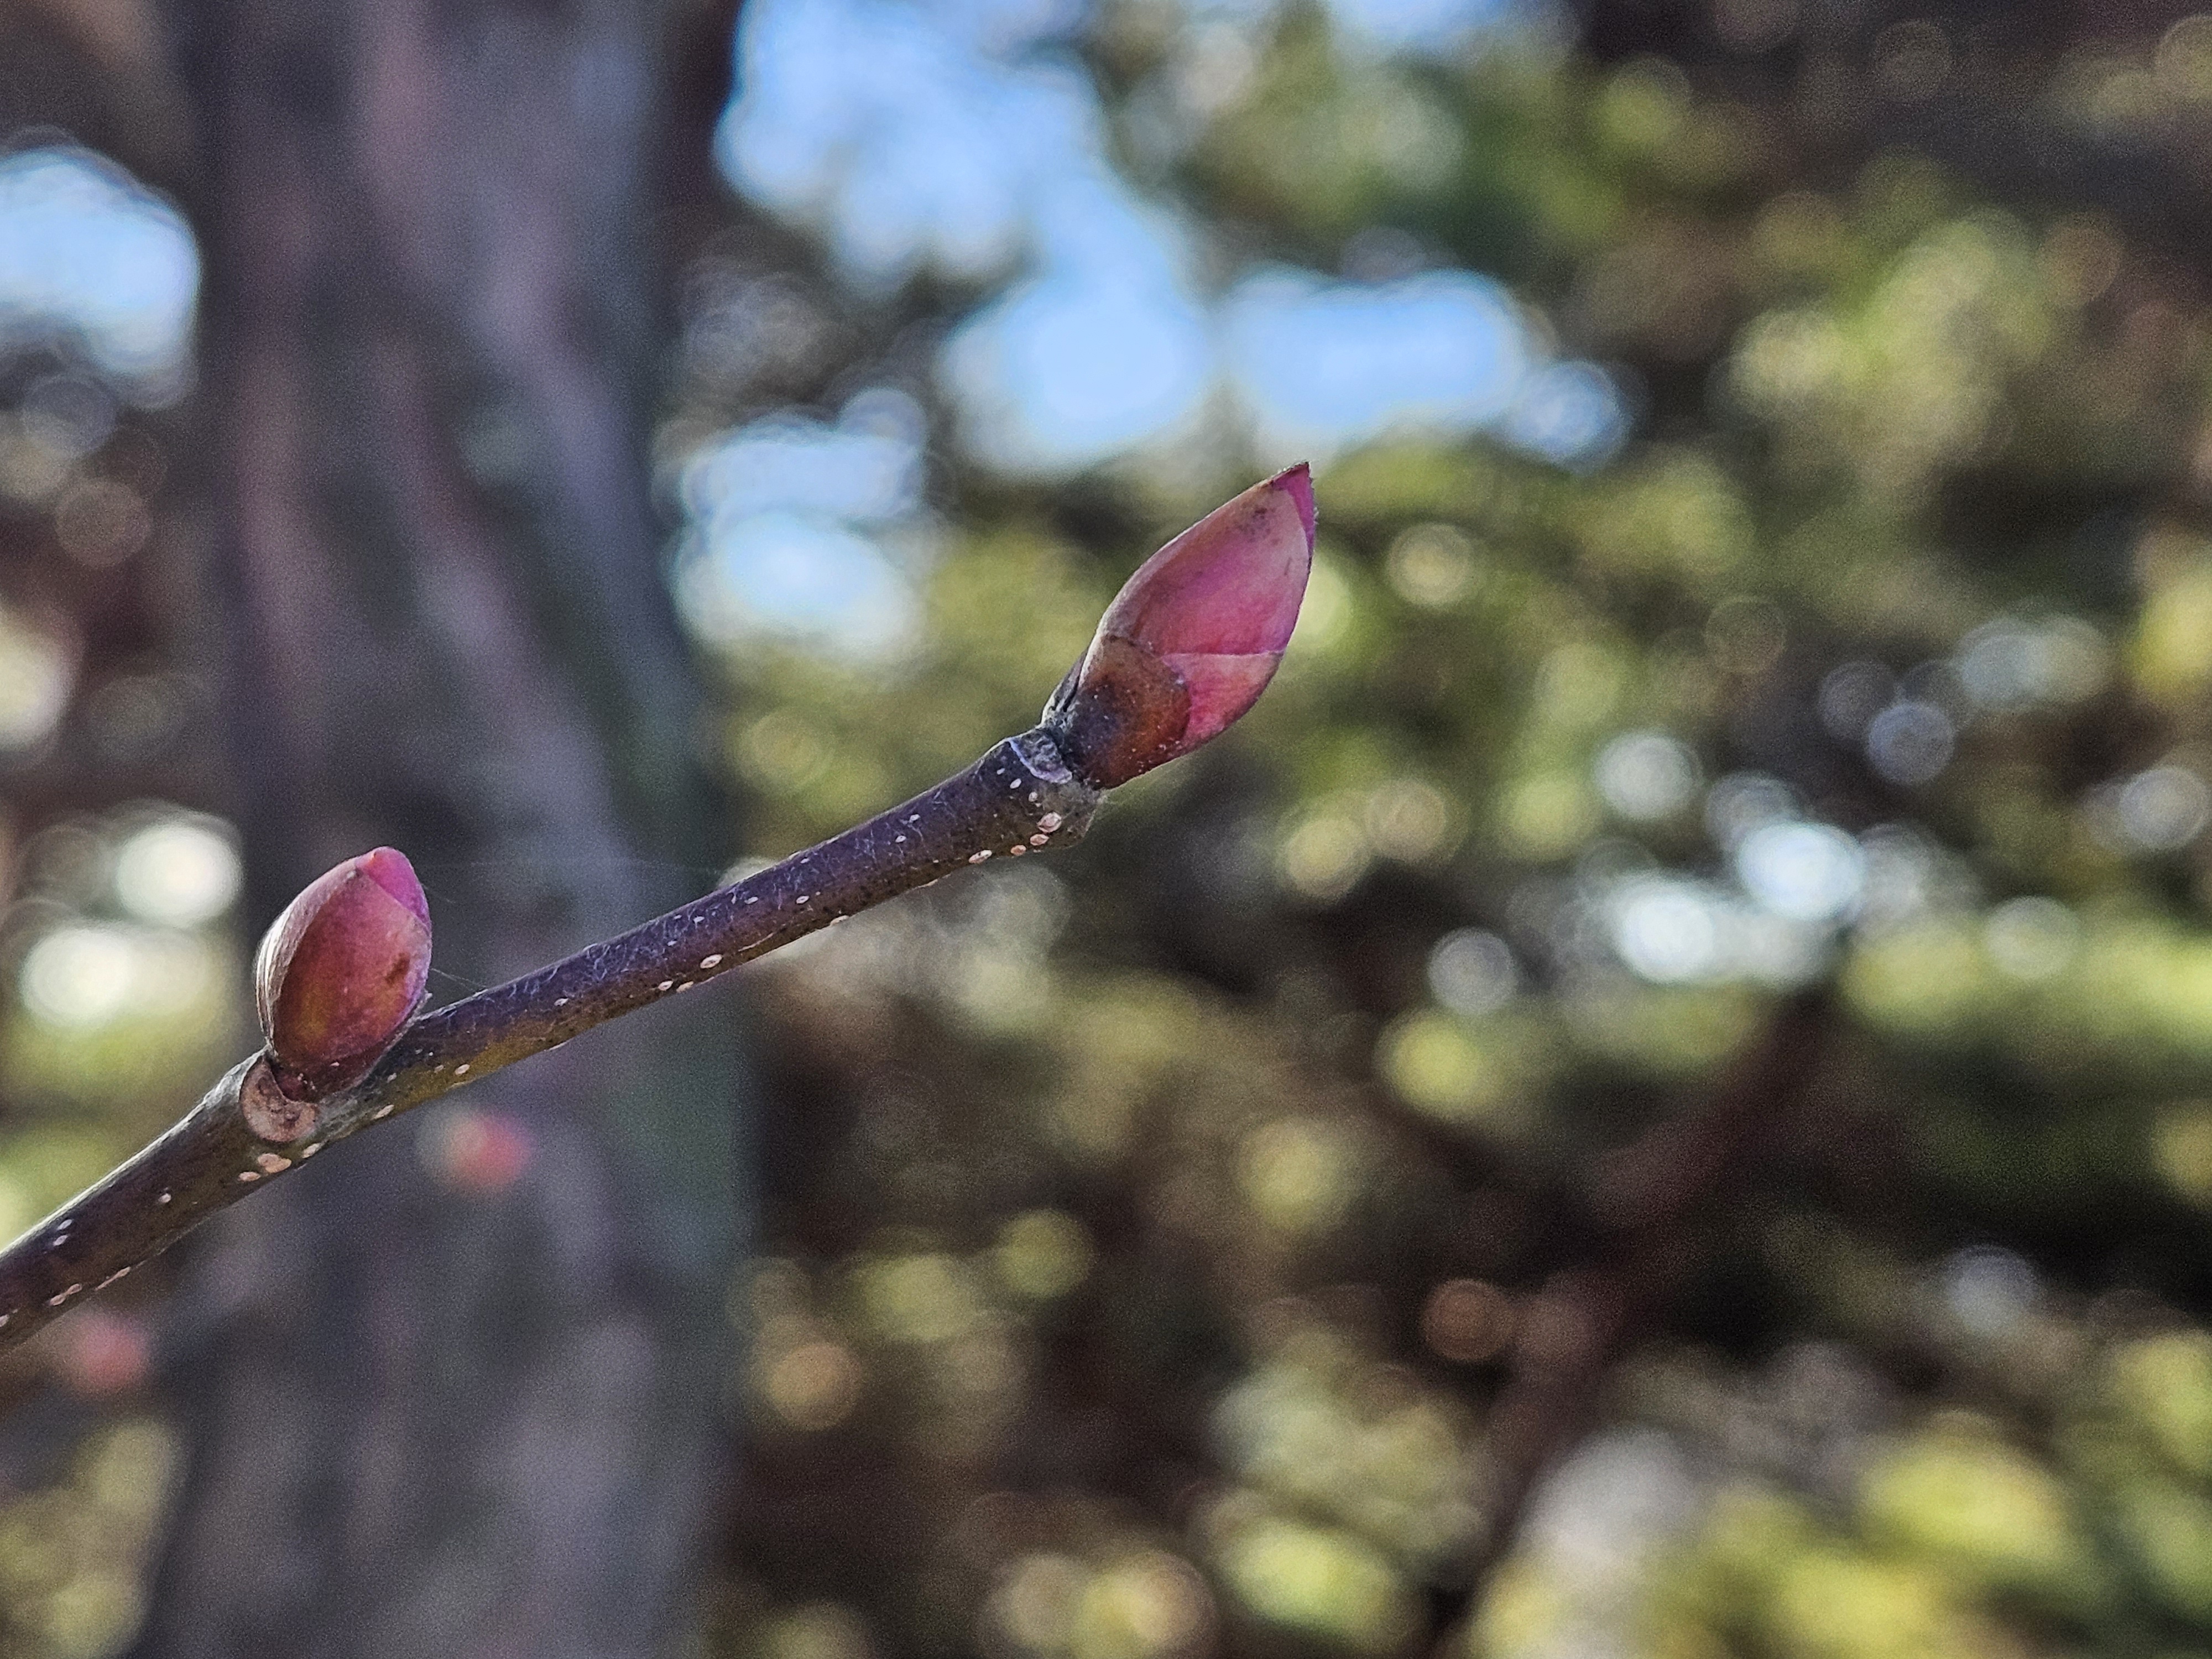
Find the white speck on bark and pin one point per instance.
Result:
(714, 961)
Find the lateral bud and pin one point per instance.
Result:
(1193, 638)
(338, 975)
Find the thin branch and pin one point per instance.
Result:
(1020, 797)
(1186, 647)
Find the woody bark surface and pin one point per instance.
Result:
(421, 1422)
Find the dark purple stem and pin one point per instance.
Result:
(1018, 798)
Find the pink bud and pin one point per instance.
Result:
(1193, 638)
(342, 971)
(479, 1152)
(103, 1353)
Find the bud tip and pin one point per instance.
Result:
(389, 868)
(1298, 480)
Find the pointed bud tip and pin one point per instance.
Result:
(1299, 481)
(1195, 636)
(1231, 584)
(389, 868)
(338, 975)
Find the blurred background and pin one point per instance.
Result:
(1655, 1097)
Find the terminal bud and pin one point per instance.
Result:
(1193, 638)
(338, 975)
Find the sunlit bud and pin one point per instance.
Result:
(342, 971)
(1194, 638)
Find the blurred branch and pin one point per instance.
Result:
(1584, 1318)
(1020, 795)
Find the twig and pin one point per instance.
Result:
(1187, 647)
(1018, 798)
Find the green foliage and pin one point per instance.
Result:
(1231, 1060)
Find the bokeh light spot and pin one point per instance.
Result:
(37, 668)
(1801, 872)
(1472, 972)
(1438, 1065)
(2181, 1149)
(1645, 776)
(1911, 743)
(821, 1629)
(1667, 931)
(813, 1385)
(181, 872)
(2163, 809)
(1298, 1174)
(1044, 1254)
(84, 247)
(1320, 1581)
(478, 1153)
(1467, 1321)
(1431, 565)
(79, 977)
(1851, 695)
(1988, 1289)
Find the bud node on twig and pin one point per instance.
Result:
(272, 1115)
(338, 975)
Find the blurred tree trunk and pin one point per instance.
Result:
(424, 1419)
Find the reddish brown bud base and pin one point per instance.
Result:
(342, 971)
(1193, 638)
